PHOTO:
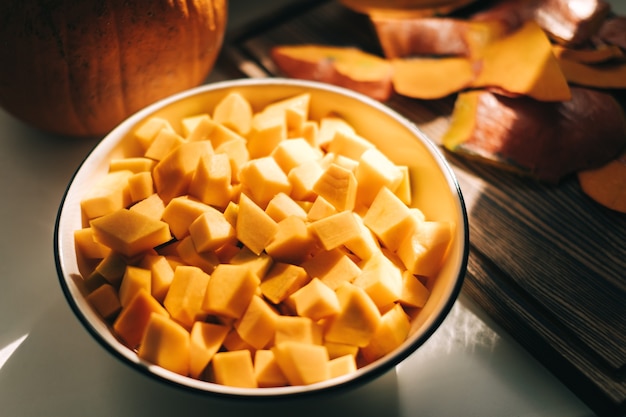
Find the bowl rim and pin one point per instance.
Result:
(359, 377)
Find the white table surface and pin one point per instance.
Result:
(50, 365)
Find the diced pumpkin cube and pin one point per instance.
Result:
(424, 250)
(291, 153)
(295, 110)
(205, 341)
(262, 179)
(341, 160)
(238, 155)
(348, 144)
(336, 350)
(211, 181)
(266, 134)
(181, 211)
(165, 343)
(329, 126)
(282, 280)
(105, 301)
(140, 186)
(316, 300)
(338, 186)
(343, 365)
(302, 179)
(186, 250)
(133, 319)
(108, 195)
(258, 264)
(190, 123)
(112, 268)
(258, 324)
(293, 242)
(162, 144)
(364, 245)
(234, 369)
(234, 342)
(173, 174)
(357, 320)
(414, 292)
(266, 370)
(309, 131)
(94, 281)
(255, 228)
(134, 279)
(152, 206)
(130, 233)
(211, 231)
(302, 363)
(133, 164)
(186, 294)
(230, 290)
(332, 267)
(320, 208)
(234, 112)
(282, 206)
(297, 329)
(87, 246)
(375, 171)
(146, 133)
(404, 190)
(161, 272)
(389, 218)
(393, 330)
(214, 132)
(381, 280)
(335, 230)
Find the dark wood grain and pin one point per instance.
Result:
(546, 262)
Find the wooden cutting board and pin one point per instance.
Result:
(547, 263)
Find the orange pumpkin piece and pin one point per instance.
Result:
(522, 63)
(606, 184)
(133, 319)
(165, 343)
(344, 66)
(80, 68)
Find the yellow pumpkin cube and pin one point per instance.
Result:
(404, 190)
(302, 179)
(255, 228)
(282, 280)
(381, 280)
(320, 208)
(329, 126)
(140, 186)
(357, 320)
(294, 109)
(190, 123)
(130, 233)
(342, 365)
(146, 133)
(132, 321)
(132, 164)
(336, 350)
(151, 206)
(205, 341)
(282, 206)
(365, 244)
(266, 133)
(186, 294)
(424, 250)
(291, 153)
(105, 301)
(187, 252)
(108, 195)
(338, 186)
(211, 231)
(262, 179)
(297, 329)
(86, 246)
(134, 279)
(181, 211)
(230, 290)
(211, 181)
(238, 155)
(234, 369)
(316, 300)
(393, 330)
(266, 370)
(414, 292)
(389, 218)
(234, 112)
(162, 144)
(332, 267)
(336, 230)
(375, 171)
(112, 268)
(173, 174)
(348, 144)
(257, 325)
(293, 241)
(302, 363)
(165, 343)
(309, 131)
(161, 272)
(258, 264)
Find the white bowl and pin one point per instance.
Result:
(436, 192)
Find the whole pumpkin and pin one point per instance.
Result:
(80, 67)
